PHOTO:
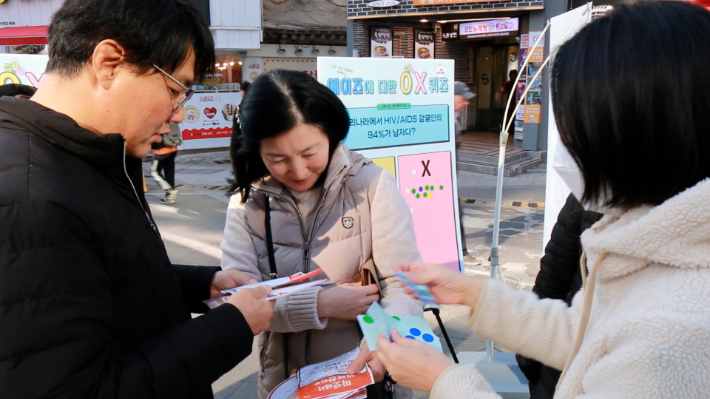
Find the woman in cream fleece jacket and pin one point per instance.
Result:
(328, 208)
(640, 327)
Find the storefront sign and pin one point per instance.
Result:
(383, 3)
(402, 117)
(527, 41)
(532, 114)
(253, 68)
(449, 32)
(209, 116)
(380, 41)
(424, 44)
(491, 28)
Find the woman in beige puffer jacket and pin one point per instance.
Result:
(330, 209)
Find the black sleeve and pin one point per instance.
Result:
(57, 325)
(195, 284)
(560, 263)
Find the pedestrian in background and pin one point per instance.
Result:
(163, 167)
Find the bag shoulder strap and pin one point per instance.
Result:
(269, 238)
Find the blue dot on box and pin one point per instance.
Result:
(427, 338)
(415, 332)
(420, 189)
(410, 337)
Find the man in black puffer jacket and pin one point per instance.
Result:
(90, 305)
(559, 278)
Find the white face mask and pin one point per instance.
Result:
(567, 168)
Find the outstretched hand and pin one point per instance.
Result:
(447, 286)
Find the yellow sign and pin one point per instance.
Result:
(538, 55)
(532, 114)
(386, 164)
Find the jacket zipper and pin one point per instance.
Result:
(307, 244)
(125, 171)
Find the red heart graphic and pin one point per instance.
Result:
(210, 112)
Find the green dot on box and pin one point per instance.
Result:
(396, 318)
(424, 195)
(414, 191)
(368, 319)
(417, 195)
(441, 187)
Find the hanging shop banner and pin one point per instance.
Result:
(254, 68)
(424, 44)
(208, 119)
(507, 27)
(380, 41)
(450, 32)
(22, 69)
(307, 65)
(527, 41)
(402, 117)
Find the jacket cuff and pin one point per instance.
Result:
(303, 310)
(459, 381)
(200, 350)
(195, 282)
(482, 296)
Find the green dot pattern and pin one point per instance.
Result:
(441, 187)
(424, 195)
(414, 191)
(396, 318)
(417, 195)
(368, 319)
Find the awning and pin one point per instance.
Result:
(23, 35)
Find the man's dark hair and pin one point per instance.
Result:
(160, 32)
(277, 102)
(631, 98)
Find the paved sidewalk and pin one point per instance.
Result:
(193, 229)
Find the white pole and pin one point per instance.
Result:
(495, 257)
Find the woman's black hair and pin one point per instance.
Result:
(631, 97)
(277, 102)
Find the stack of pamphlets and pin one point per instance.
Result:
(326, 380)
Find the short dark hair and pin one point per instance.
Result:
(160, 32)
(277, 102)
(631, 98)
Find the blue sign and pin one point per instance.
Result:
(393, 125)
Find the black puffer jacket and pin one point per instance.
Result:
(90, 306)
(559, 278)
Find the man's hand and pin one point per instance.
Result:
(412, 364)
(256, 310)
(226, 279)
(365, 356)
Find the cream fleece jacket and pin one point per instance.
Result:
(649, 329)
